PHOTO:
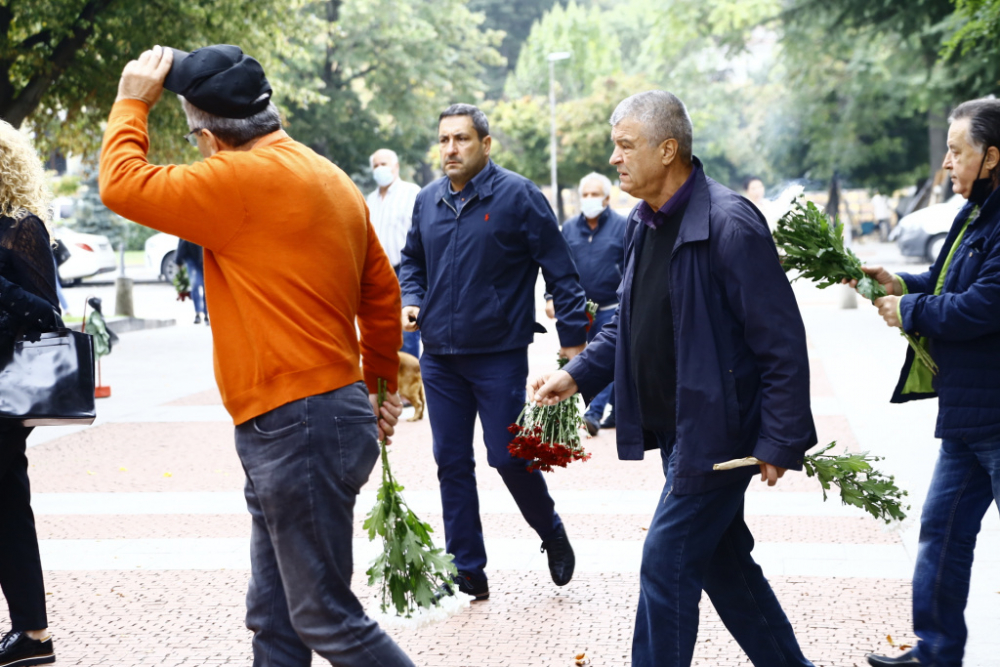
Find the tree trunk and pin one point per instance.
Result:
(937, 134)
(424, 174)
(14, 108)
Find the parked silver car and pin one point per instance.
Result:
(160, 250)
(89, 255)
(922, 233)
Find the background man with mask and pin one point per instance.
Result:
(470, 265)
(391, 209)
(596, 239)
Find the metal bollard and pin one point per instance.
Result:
(123, 297)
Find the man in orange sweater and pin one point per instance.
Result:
(291, 263)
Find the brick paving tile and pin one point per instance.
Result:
(201, 456)
(196, 618)
(619, 527)
(213, 397)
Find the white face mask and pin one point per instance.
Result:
(383, 175)
(592, 207)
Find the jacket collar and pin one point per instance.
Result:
(481, 184)
(989, 204)
(694, 224)
(581, 221)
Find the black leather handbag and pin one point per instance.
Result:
(49, 380)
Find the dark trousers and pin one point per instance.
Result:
(700, 542)
(305, 463)
(20, 564)
(411, 339)
(458, 386)
(966, 483)
(606, 396)
(197, 280)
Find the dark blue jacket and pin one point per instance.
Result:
(599, 254)
(739, 341)
(963, 325)
(472, 272)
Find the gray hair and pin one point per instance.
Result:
(371, 158)
(233, 132)
(984, 121)
(662, 115)
(601, 178)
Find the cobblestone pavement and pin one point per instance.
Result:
(145, 535)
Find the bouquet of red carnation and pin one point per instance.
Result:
(549, 435)
(591, 314)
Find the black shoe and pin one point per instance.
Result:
(609, 421)
(561, 558)
(206, 320)
(908, 659)
(592, 426)
(197, 318)
(479, 589)
(17, 649)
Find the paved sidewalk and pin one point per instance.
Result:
(145, 535)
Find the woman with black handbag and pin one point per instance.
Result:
(28, 305)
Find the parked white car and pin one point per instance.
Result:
(160, 251)
(922, 233)
(89, 255)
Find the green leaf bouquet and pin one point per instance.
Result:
(859, 483)
(813, 246)
(410, 571)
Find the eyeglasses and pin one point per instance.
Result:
(192, 136)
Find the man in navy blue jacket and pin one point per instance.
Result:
(708, 355)
(468, 274)
(954, 309)
(596, 239)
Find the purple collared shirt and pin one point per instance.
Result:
(653, 219)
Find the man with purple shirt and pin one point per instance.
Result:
(708, 355)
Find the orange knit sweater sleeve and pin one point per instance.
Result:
(380, 311)
(200, 202)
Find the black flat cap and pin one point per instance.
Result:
(221, 80)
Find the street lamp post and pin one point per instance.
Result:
(552, 58)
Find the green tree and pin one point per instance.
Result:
(927, 77)
(60, 60)
(980, 26)
(384, 69)
(514, 18)
(863, 118)
(576, 29)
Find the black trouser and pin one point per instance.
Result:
(20, 564)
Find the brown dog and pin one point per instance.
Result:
(411, 385)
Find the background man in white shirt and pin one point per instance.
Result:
(391, 206)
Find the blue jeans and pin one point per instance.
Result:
(458, 386)
(197, 287)
(305, 463)
(595, 411)
(700, 542)
(966, 482)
